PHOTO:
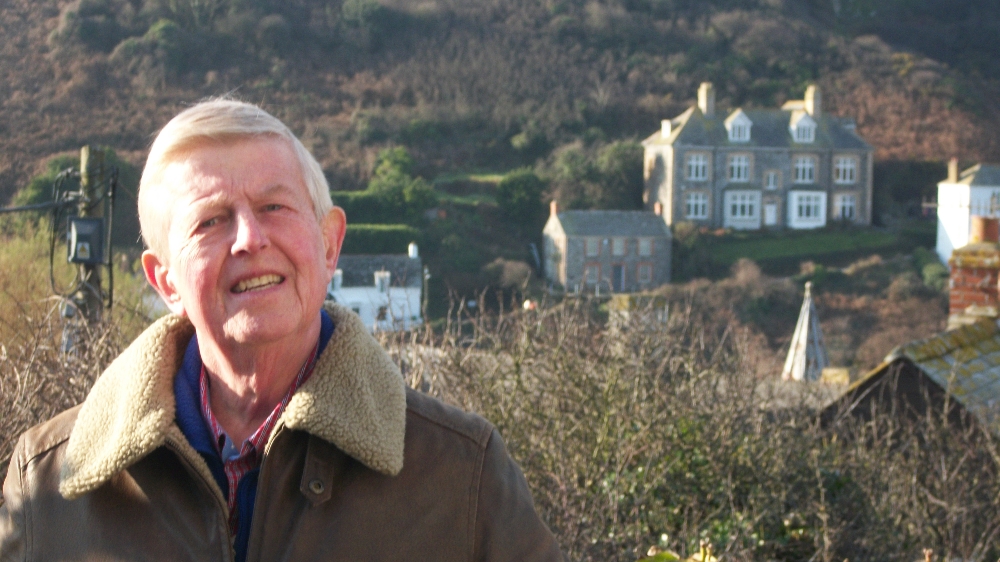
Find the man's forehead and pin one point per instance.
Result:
(266, 168)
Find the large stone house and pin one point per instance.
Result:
(794, 167)
(975, 191)
(602, 251)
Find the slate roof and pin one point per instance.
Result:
(770, 130)
(359, 269)
(981, 174)
(965, 361)
(613, 223)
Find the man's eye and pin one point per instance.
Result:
(273, 207)
(209, 223)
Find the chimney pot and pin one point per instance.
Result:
(658, 208)
(814, 100)
(553, 207)
(413, 251)
(984, 229)
(706, 99)
(953, 170)
(665, 128)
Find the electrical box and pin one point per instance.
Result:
(86, 240)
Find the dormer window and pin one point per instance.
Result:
(738, 125)
(802, 127)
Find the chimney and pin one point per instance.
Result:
(413, 251)
(338, 279)
(665, 128)
(814, 100)
(658, 209)
(706, 99)
(974, 268)
(953, 170)
(553, 208)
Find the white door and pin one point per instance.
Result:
(770, 214)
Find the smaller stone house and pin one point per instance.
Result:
(601, 251)
(975, 191)
(384, 290)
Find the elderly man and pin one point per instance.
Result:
(252, 423)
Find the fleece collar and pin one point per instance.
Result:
(355, 399)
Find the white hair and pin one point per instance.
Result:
(219, 121)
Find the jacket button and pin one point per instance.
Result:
(316, 486)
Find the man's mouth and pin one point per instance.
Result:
(261, 282)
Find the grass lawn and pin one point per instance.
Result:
(782, 251)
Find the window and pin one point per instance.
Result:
(645, 247)
(805, 132)
(645, 273)
(618, 246)
(771, 179)
(805, 169)
(742, 209)
(739, 132)
(739, 168)
(846, 207)
(806, 209)
(696, 206)
(592, 274)
(845, 170)
(593, 247)
(697, 167)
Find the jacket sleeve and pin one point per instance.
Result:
(507, 526)
(13, 531)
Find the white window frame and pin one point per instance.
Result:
(619, 247)
(805, 133)
(697, 166)
(806, 209)
(804, 170)
(645, 247)
(845, 170)
(738, 167)
(741, 209)
(772, 180)
(592, 247)
(846, 205)
(739, 132)
(696, 205)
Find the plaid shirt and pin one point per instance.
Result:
(238, 462)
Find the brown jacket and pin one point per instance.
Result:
(358, 468)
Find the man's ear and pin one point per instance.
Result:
(160, 278)
(334, 226)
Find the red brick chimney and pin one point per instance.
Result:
(974, 275)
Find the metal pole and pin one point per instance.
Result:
(88, 296)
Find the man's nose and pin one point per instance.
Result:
(250, 235)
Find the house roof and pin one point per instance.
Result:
(981, 175)
(770, 130)
(359, 269)
(964, 361)
(613, 223)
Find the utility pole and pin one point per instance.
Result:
(88, 296)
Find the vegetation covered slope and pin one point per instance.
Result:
(487, 83)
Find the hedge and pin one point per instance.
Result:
(379, 238)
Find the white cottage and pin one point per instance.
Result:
(384, 290)
(975, 191)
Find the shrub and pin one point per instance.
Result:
(519, 195)
(379, 238)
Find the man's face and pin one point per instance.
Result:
(248, 264)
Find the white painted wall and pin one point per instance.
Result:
(402, 306)
(953, 218)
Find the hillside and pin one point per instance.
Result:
(488, 84)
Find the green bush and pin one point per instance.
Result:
(379, 238)
(519, 195)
